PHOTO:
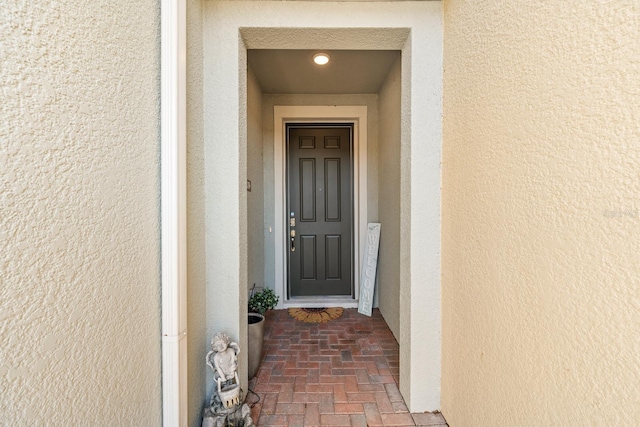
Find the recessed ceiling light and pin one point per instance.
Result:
(321, 58)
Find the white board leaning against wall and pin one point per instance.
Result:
(369, 269)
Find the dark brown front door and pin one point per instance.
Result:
(320, 210)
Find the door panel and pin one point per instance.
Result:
(332, 247)
(308, 257)
(320, 204)
(307, 184)
(332, 190)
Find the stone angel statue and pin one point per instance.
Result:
(226, 406)
(223, 360)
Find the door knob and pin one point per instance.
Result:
(293, 244)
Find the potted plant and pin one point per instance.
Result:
(259, 303)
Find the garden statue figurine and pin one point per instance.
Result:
(225, 408)
(223, 360)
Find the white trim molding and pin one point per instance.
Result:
(173, 213)
(357, 115)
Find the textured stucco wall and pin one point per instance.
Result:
(255, 173)
(269, 101)
(541, 219)
(79, 213)
(389, 173)
(198, 339)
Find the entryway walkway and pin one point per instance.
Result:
(340, 373)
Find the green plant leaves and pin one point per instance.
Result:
(262, 301)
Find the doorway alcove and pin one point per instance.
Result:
(223, 156)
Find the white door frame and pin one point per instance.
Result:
(319, 114)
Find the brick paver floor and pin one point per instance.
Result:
(341, 373)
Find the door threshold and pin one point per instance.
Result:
(320, 302)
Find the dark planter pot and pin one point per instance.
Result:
(256, 334)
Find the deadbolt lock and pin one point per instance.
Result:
(292, 222)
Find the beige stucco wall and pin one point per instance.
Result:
(541, 219)
(197, 337)
(389, 174)
(79, 213)
(255, 173)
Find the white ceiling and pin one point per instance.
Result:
(293, 71)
